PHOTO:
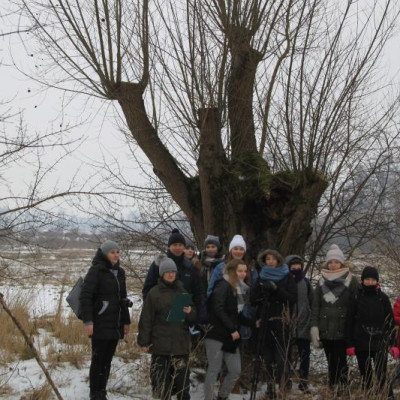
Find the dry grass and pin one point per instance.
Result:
(42, 393)
(75, 355)
(12, 344)
(5, 390)
(128, 349)
(73, 344)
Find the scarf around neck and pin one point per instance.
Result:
(298, 274)
(333, 283)
(274, 274)
(242, 290)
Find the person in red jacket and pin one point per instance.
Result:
(396, 312)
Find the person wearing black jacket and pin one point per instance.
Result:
(187, 273)
(222, 340)
(370, 330)
(104, 307)
(276, 286)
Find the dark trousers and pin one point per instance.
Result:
(170, 376)
(379, 358)
(303, 348)
(102, 354)
(335, 351)
(279, 355)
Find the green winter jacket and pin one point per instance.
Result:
(166, 338)
(330, 318)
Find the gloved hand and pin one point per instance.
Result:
(315, 336)
(269, 286)
(351, 351)
(395, 352)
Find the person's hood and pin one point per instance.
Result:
(158, 258)
(102, 261)
(288, 259)
(263, 253)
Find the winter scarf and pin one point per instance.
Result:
(333, 283)
(241, 292)
(274, 274)
(210, 263)
(298, 274)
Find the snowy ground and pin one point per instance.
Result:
(49, 279)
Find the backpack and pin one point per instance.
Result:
(73, 298)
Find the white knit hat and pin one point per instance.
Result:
(237, 241)
(334, 253)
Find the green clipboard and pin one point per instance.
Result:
(176, 313)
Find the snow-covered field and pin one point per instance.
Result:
(43, 284)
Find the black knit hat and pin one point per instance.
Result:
(370, 272)
(176, 237)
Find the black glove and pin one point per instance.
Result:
(269, 286)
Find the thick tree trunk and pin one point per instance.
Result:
(240, 90)
(272, 213)
(130, 98)
(230, 197)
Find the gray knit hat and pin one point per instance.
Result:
(334, 253)
(107, 246)
(167, 265)
(210, 239)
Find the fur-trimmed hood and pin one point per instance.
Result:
(263, 253)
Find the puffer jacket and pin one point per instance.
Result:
(165, 338)
(101, 299)
(331, 318)
(369, 320)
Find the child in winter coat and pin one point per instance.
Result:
(210, 257)
(276, 286)
(168, 342)
(222, 340)
(370, 330)
(332, 295)
(301, 317)
(237, 251)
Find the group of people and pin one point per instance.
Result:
(269, 309)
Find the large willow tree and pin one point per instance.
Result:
(247, 110)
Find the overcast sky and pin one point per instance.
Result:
(43, 110)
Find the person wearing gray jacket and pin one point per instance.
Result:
(302, 317)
